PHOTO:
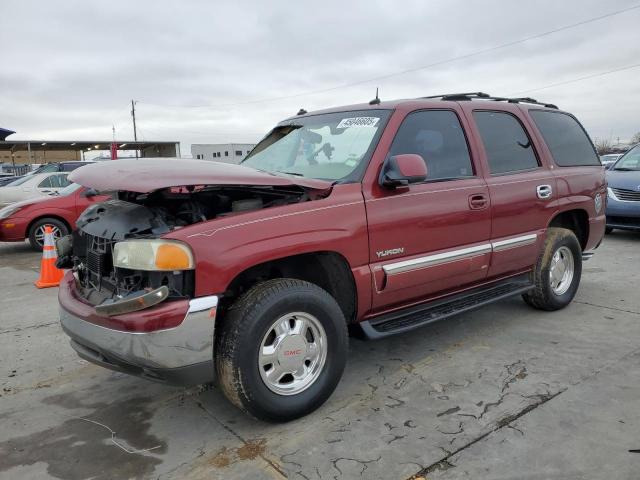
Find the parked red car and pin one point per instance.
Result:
(28, 219)
(383, 217)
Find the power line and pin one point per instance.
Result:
(411, 70)
(579, 79)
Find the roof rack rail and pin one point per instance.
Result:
(456, 97)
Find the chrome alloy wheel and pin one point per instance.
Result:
(39, 234)
(292, 353)
(561, 270)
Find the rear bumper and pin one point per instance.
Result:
(181, 355)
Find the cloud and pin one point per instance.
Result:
(71, 68)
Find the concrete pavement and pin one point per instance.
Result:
(502, 392)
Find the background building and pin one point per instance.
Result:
(45, 151)
(221, 152)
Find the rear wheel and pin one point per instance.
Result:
(36, 232)
(557, 273)
(282, 349)
(608, 230)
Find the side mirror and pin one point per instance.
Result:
(403, 170)
(90, 192)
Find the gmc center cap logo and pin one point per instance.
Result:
(289, 353)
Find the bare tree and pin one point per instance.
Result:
(603, 146)
(636, 138)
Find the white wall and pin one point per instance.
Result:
(224, 152)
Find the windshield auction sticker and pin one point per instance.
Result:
(358, 122)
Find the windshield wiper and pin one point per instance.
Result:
(625, 169)
(290, 173)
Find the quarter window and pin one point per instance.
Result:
(506, 144)
(437, 136)
(568, 142)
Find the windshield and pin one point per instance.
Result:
(20, 181)
(69, 189)
(630, 160)
(331, 146)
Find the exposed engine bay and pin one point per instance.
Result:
(131, 215)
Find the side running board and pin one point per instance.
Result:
(419, 315)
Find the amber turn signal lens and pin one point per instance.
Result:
(172, 257)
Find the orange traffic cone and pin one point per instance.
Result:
(50, 276)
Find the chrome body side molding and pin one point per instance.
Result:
(437, 259)
(460, 254)
(520, 241)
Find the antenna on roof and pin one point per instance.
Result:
(375, 101)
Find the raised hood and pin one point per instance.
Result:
(150, 174)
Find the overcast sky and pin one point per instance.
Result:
(70, 68)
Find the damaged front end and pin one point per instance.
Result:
(120, 261)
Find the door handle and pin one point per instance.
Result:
(544, 191)
(478, 201)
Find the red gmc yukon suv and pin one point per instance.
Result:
(378, 218)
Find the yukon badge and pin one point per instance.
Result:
(391, 251)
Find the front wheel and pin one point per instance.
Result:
(36, 232)
(557, 273)
(282, 349)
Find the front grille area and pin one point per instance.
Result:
(100, 280)
(626, 195)
(98, 263)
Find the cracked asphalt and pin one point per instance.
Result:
(502, 392)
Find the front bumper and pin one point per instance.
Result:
(13, 229)
(181, 355)
(623, 215)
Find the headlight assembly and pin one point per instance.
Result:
(153, 255)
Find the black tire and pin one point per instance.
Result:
(543, 296)
(608, 230)
(240, 337)
(54, 222)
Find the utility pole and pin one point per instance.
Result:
(135, 132)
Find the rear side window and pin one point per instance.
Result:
(54, 181)
(437, 136)
(60, 181)
(507, 145)
(46, 183)
(569, 144)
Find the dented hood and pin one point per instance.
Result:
(149, 174)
